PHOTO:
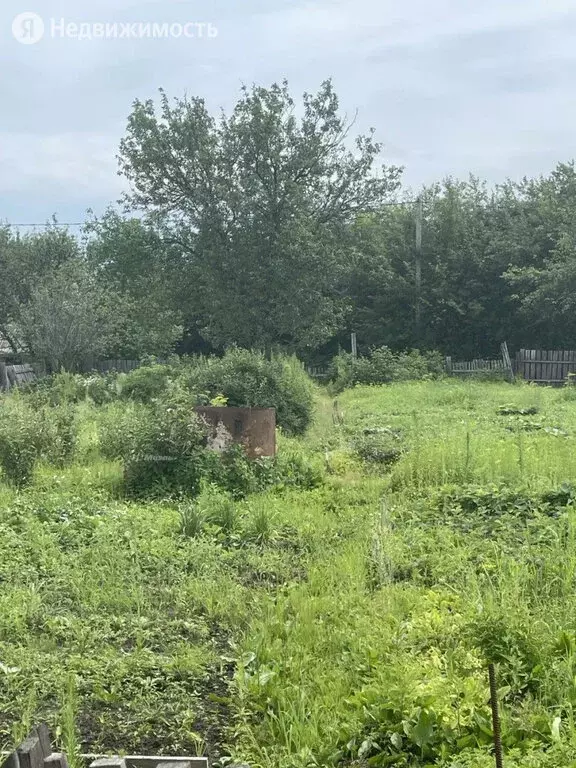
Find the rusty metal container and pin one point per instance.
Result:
(253, 428)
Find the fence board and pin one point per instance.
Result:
(546, 366)
(473, 366)
(23, 373)
(318, 371)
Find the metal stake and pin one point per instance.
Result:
(495, 717)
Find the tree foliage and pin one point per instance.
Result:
(260, 203)
(273, 227)
(25, 260)
(68, 318)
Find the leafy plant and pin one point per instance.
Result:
(383, 366)
(378, 445)
(166, 451)
(248, 379)
(25, 435)
(146, 383)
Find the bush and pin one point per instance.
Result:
(248, 379)
(62, 429)
(235, 473)
(163, 447)
(25, 435)
(241, 378)
(55, 390)
(383, 366)
(293, 468)
(118, 425)
(102, 389)
(146, 383)
(164, 451)
(378, 446)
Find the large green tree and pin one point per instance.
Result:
(497, 264)
(130, 259)
(68, 319)
(259, 204)
(543, 281)
(25, 260)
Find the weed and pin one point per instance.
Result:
(300, 611)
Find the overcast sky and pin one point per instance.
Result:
(451, 86)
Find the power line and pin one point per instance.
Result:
(51, 224)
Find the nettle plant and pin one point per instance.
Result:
(166, 452)
(28, 434)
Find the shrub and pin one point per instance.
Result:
(378, 446)
(24, 436)
(57, 389)
(166, 451)
(102, 389)
(146, 383)
(118, 425)
(248, 379)
(163, 448)
(67, 388)
(63, 434)
(293, 468)
(383, 366)
(237, 475)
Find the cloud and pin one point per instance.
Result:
(82, 161)
(451, 86)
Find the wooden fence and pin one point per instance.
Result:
(545, 366)
(318, 371)
(104, 366)
(535, 365)
(36, 751)
(502, 364)
(474, 366)
(539, 366)
(16, 375)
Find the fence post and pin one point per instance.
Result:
(520, 367)
(448, 365)
(506, 360)
(4, 383)
(354, 346)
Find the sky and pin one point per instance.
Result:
(451, 87)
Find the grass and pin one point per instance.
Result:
(349, 624)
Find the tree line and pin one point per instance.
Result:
(275, 226)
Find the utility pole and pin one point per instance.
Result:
(418, 273)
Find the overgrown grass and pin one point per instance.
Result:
(350, 623)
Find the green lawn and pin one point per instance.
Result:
(349, 624)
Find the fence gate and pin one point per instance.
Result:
(546, 366)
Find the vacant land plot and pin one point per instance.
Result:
(350, 623)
